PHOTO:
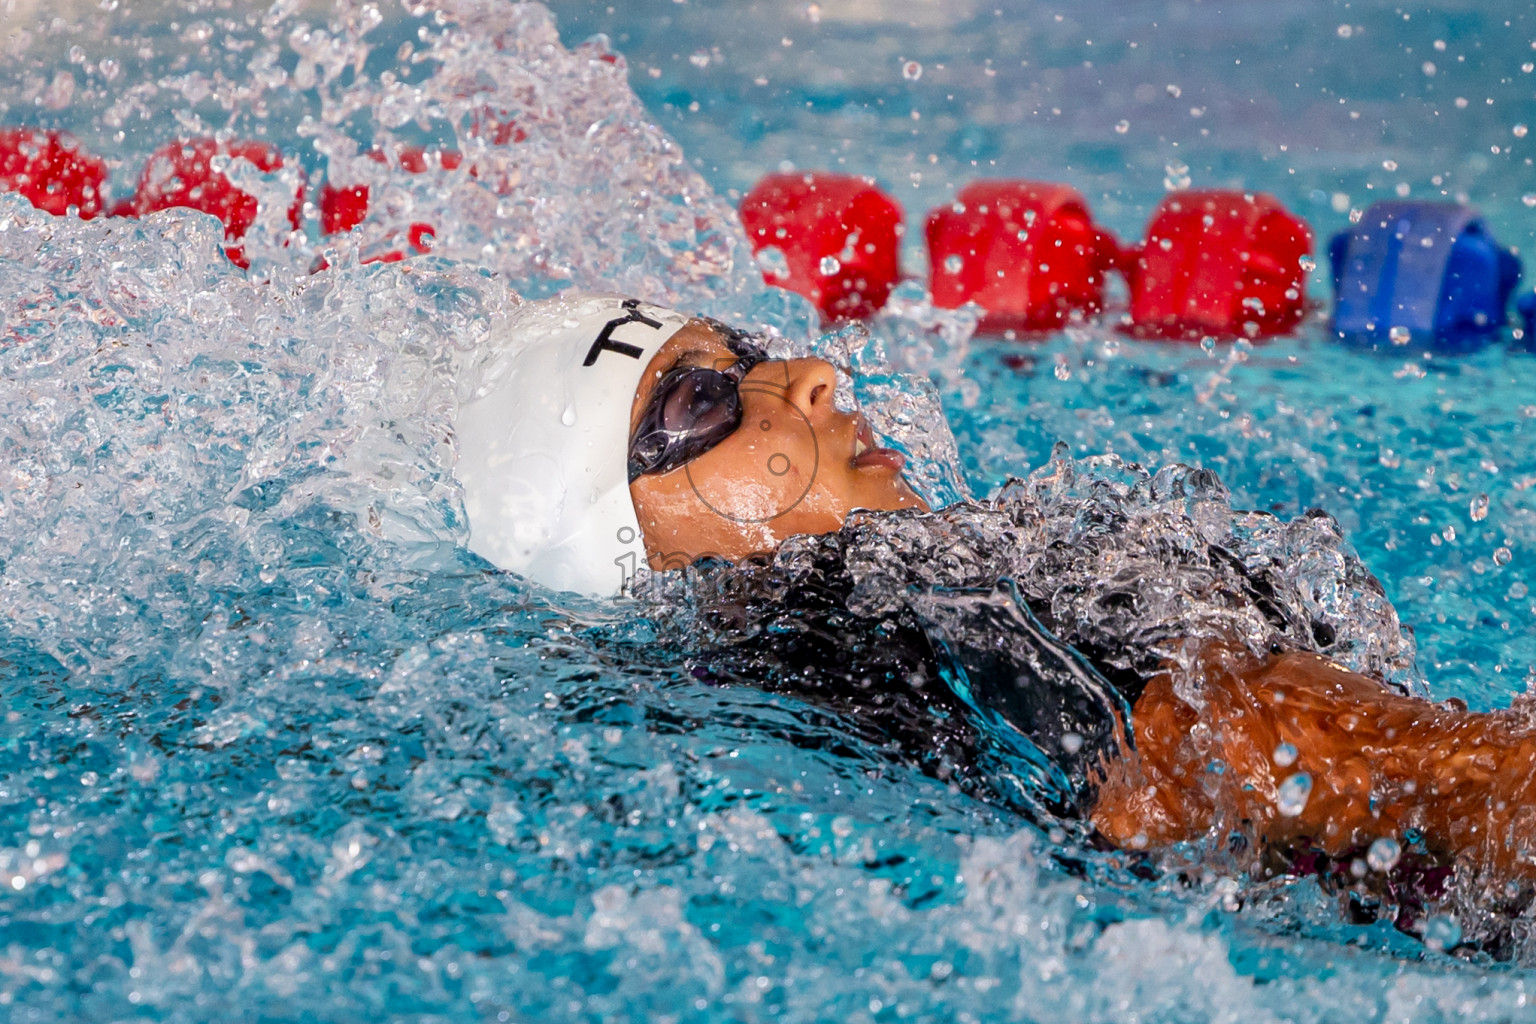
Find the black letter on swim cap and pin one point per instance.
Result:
(604, 342)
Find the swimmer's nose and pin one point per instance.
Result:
(812, 383)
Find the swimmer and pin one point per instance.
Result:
(608, 433)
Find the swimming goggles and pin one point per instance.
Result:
(693, 408)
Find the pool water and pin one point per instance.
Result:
(276, 747)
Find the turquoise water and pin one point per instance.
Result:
(275, 747)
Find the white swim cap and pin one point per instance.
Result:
(544, 441)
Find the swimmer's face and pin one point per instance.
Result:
(795, 465)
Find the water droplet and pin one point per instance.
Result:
(1502, 556)
(1071, 742)
(1529, 199)
(1176, 176)
(1294, 792)
(1519, 131)
(1389, 165)
(1307, 264)
(1174, 91)
(1429, 68)
(1285, 755)
(1208, 344)
(1400, 335)
(1518, 590)
(953, 264)
(568, 417)
(1165, 244)
(1441, 932)
(699, 58)
(829, 265)
(1345, 31)
(1383, 854)
(1122, 126)
(911, 71)
(1479, 508)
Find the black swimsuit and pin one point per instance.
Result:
(1034, 618)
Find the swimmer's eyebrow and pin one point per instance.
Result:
(687, 357)
(696, 357)
(713, 358)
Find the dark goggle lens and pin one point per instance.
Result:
(691, 411)
(702, 401)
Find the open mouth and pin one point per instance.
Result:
(867, 454)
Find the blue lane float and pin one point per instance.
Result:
(1430, 274)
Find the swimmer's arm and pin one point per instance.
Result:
(1378, 763)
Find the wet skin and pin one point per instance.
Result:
(1379, 763)
(796, 465)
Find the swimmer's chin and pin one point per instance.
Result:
(906, 495)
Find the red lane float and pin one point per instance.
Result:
(52, 172)
(1219, 263)
(343, 207)
(837, 238)
(1027, 252)
(180, 174)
